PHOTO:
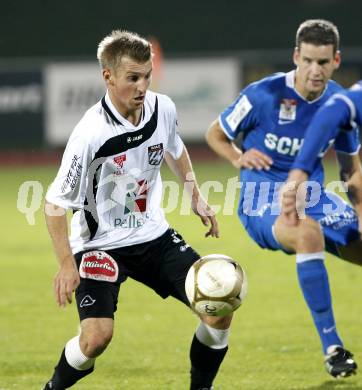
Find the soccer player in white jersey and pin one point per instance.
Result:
(110, 178)
(273, 114)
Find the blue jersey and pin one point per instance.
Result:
(341, 113)
(273, 118)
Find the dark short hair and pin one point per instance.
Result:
(317, 32)
(122, 43)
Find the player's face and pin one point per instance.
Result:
(315, 66)
(127, 85)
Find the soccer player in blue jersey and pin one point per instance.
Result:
(272, 116)
(342, 112)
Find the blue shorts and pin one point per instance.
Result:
(336, 217)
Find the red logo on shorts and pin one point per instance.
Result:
(98, 265)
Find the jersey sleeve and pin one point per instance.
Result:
(175, 144)
(241, 114)
(68, 190)
(326, 126)
(347, 141)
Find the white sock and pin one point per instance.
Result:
(75, 356)
(302, 257)
(213, 338)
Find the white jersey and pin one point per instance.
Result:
(110, 174)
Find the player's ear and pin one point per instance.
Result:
(296, 56)
(337, 59)
(107, 75)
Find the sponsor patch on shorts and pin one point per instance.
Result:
(98, 265)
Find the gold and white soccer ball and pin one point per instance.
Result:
(216, 285)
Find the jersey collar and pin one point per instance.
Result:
(290, 83)
(115, 115)
(111, 110)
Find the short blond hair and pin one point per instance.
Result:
(120, 43)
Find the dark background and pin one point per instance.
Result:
(259, 34)
(46, 28)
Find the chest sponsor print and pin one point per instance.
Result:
(119, 162)
(283, 145)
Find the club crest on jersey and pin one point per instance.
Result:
(98, 265)
(155, 154)
(288, 110)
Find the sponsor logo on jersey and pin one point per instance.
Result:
(155, 154)
(119, 161)
(136, 197)
(73, 174)
(240, 111)
(135, 209)
(131, 221)
(283, 145)
(98, 265)
(287, 111)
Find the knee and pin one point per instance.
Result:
(310, 238)
(94, 343)
(218, 322)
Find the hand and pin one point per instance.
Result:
(292, 197)
(253, 159)
(288, 196)
(65, 282)
(206, 214)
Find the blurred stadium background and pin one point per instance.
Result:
(207, 51)
(49, 74)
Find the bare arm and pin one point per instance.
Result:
(221, 145)
(67, 278)
(182, 168)
(351, 173)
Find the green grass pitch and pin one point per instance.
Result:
(273, 344)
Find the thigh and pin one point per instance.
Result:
(176, 259)
(306, 236)
(100, 279)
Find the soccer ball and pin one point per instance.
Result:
(216, 285)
